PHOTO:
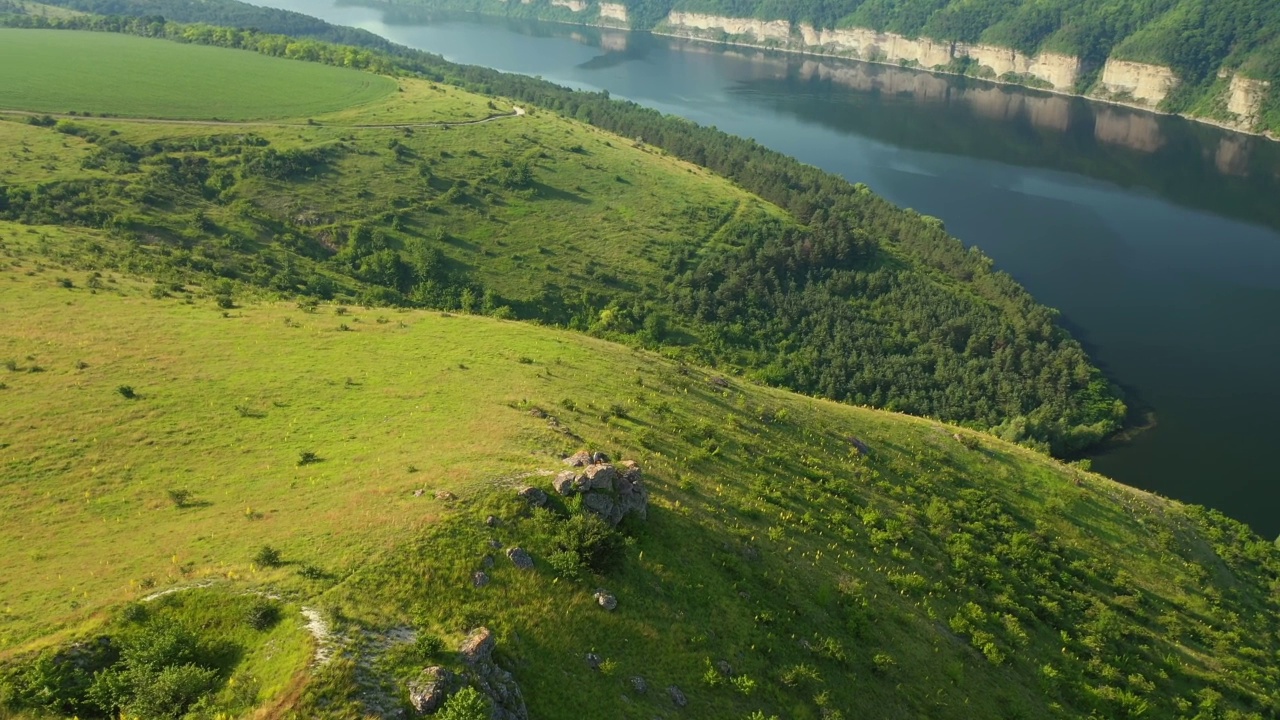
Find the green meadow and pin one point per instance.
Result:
(943, 573)
(105, 73)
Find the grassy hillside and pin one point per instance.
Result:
(931, 576)
(547, 219)
(60, 72)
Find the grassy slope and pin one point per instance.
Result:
(131, 76)
(770, 544)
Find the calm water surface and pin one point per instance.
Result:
(1157, 238)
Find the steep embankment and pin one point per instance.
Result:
(1219, 64)
(799, 558)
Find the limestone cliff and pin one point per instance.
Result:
(574, 5)
(1244, 100)
(1142, 84)
(614, 13)
(1058, 72)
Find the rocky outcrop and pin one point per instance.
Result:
(486, 676)
(532, 495)
(572, 5)
(610, 491)
(1244, 100)
(430, 689)
(1140, 83)
(616, 12)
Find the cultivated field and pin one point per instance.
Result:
(58, 71)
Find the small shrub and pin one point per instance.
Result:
(882, 663)
(340, 310)
(11, 365)
(82, 365)
(743, 684)
(66, 283)
(523, 360)
(127, 392)
(225, 302)
(566, 564)
(568, 404)
(307, 457)
(466, 704)
(268, 557)
(179, 497)
(344, 328)
(311, 572)
(262, 615)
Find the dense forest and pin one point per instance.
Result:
(865, 303)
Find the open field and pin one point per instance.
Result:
(942, 576)
(86, 72)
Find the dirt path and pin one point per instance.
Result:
(515, 113)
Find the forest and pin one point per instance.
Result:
(942, 336)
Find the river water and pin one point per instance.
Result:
(1157, 238)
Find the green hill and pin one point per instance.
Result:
(271, 424)
(825, 288)
(929, 576)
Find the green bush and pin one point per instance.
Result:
(466, 704)
(268, 557)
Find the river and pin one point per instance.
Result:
(1157, 238)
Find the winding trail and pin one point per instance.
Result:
(515, 113)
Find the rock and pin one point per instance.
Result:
(600, 476)
(598, 503)
(598, 458)
(520, 558)
(724, 668)
(445, 495)
(582, 458)
(639, 685)
(419, 492)
(593, 661)
(606, 600)
(532, 495)
(492, 521)
(479, 578)
(719, 382)
(565, 482)
(486, 561)
(537, 412)
(677, 697)
(495, 544)
(478, 647)
(629, 469)
(429, 691)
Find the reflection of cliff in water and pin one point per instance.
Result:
(1189, 163)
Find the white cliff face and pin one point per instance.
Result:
(1059, 71)
(613, 11)
(1245, 98)
(1147, 85)
(761, 31)
(574, 5)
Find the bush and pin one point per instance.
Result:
(466, 704)
(311, 572)
(268, 557)
(127, 392)
(307, 457)
(588, 538)
(179, 497)
(262, 615)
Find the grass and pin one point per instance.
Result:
(55, 71)
(929, 577)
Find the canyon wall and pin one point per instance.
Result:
(615, 12)
(1140, 83)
